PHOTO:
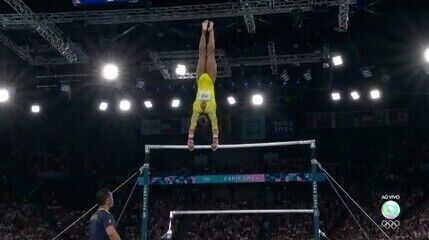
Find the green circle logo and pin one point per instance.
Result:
(390, 209)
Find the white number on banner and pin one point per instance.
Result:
(204, 96)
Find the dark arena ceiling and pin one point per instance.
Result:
(381, 44)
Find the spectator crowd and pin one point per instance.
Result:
(25, 215)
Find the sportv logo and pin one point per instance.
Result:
(390, 197)
(390, 210)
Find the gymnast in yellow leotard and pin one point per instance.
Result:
(205, 102)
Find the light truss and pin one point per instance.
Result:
(160, 65)
(25, 53)
(249, 20)
(43, 61)
(220, 74)
(164, 68)
(181, 54)
(48, 31)
(288, 59)
(273, 57)
(167, 62)
(39, 48)
(44, 23)
(226, 67)
(20, 51)
(164, 61)
(139, 15)
(343, 16)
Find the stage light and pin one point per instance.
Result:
(257, 99)
(426, 55)
(110, 71)
(337, 60)
(124, 105)
(4, 95)
(231, 100)
(355, 95)
(35, 108)
(336, 96)
(103, 106)
(375, 94)
(285, 77)
(140, 84)
(366, 72)
(148, 104)
(180, 69)
(307, 75)
(175, 103)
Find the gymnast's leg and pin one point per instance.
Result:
(202, 50)
(211, 68)
(211, 65)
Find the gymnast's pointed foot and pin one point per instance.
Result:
(205, 25)
(210, 26)
(191, 145)
(215, 143)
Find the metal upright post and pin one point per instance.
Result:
(316, 227)
(145, 197)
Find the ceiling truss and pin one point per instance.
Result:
(44, 23)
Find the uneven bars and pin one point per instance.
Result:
(205, 212)
(246, 145)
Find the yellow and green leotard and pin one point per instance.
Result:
(205, 101)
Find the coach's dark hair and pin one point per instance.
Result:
(102, 195)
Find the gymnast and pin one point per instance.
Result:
(205, 103)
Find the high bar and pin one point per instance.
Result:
(225, 146)
(257, 211)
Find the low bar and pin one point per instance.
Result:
(255, 211)
(229, 146)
